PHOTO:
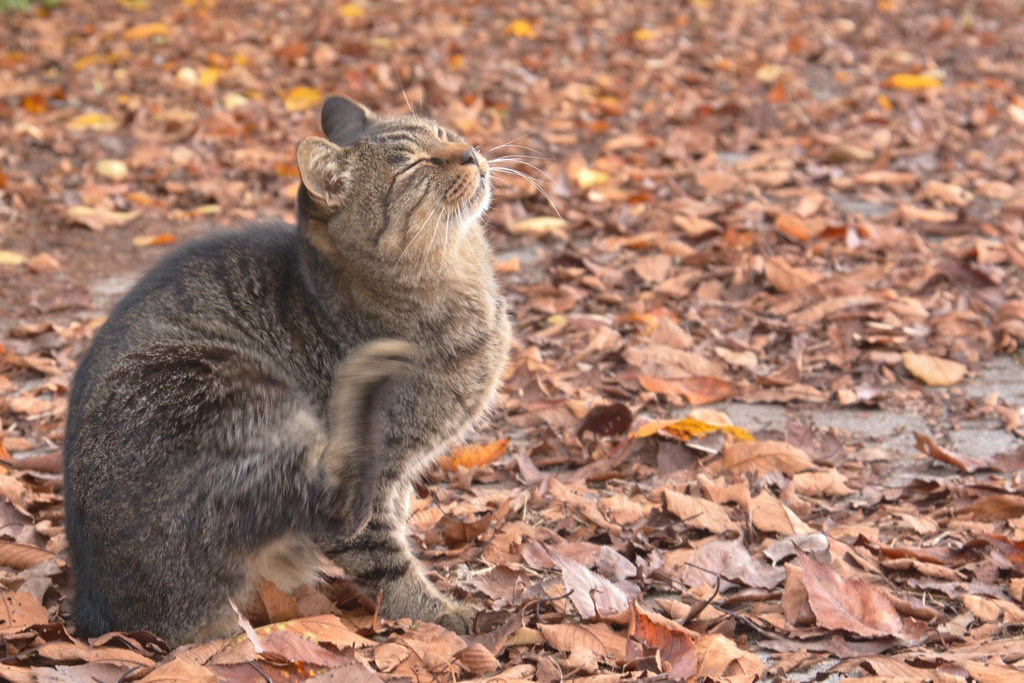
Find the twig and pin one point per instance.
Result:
(698, 607)
(124, 676)
(257, 670)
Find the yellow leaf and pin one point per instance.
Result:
(474, 456)
(10, 258)
(134, 5)
(912, 82)
(92, 60)
(92, 121)
(520, 28)
(209, 76)
(351, 11)
(205, 210)
(884, 102)
(302, 98)
(935, 372)
(588, 177)
(143, 31)
(234, 100)
(688, 428)
(768, 73)
(541, 225)
(153, 240)
(642, 35)
(888, 6)
(112, 169)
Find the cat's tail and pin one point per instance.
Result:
(354, 458)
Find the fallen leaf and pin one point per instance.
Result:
(765, 456)
(474, 456)
(911, 82)
(672, 641)
(698, 513)
(153, 240)
(935, 372)
(92, 121)
(10, 258)
(541, 226)
(302, 97)
(99, 219)
(598, 638)
(148, 30)
(179, 671)
(520, 28)
(848, 604)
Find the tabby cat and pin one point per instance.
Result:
(264, 398)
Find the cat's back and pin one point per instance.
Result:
(231, 289)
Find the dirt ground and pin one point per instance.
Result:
(765, 264)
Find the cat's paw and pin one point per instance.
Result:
(458, 617)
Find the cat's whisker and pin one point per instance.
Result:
(539, 170)
(510, 143)
(528, 149)
(533, 181)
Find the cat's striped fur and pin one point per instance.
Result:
(264, 398)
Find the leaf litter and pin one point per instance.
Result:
(725, 200)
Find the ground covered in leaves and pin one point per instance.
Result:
(788, 202)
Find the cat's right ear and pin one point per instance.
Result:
(344, 120)
(323, 170)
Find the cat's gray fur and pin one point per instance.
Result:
(265, 398)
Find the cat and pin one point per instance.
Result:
(264, 398)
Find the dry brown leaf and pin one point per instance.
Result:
(729, 560)
(793, 226)
(598, 638)
(179, 671)
(850, 605)
(698, 513)
(765, 456)
(99, 219)
(935, 372)
(21, 610)
(672, 641)
(768, 514)
(786, 278)
(593, 595)
(698, 391)
(828, 482)
(721, 659)
(477, 660)
(21, 556)
(927, 445)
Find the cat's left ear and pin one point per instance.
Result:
(344, 120)
(323, 170)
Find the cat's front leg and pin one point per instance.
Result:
(378, 562)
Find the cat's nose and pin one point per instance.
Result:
(469, 157)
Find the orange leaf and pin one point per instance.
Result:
(520, 28)
(153, 240)
(302, 98)
(143, 31)
(912, 82)
(689, 427)
(474, 456)
(674, 644)
(793, 225)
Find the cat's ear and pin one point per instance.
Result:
(323, 170)
(344, 120)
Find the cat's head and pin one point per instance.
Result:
(394, 191)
